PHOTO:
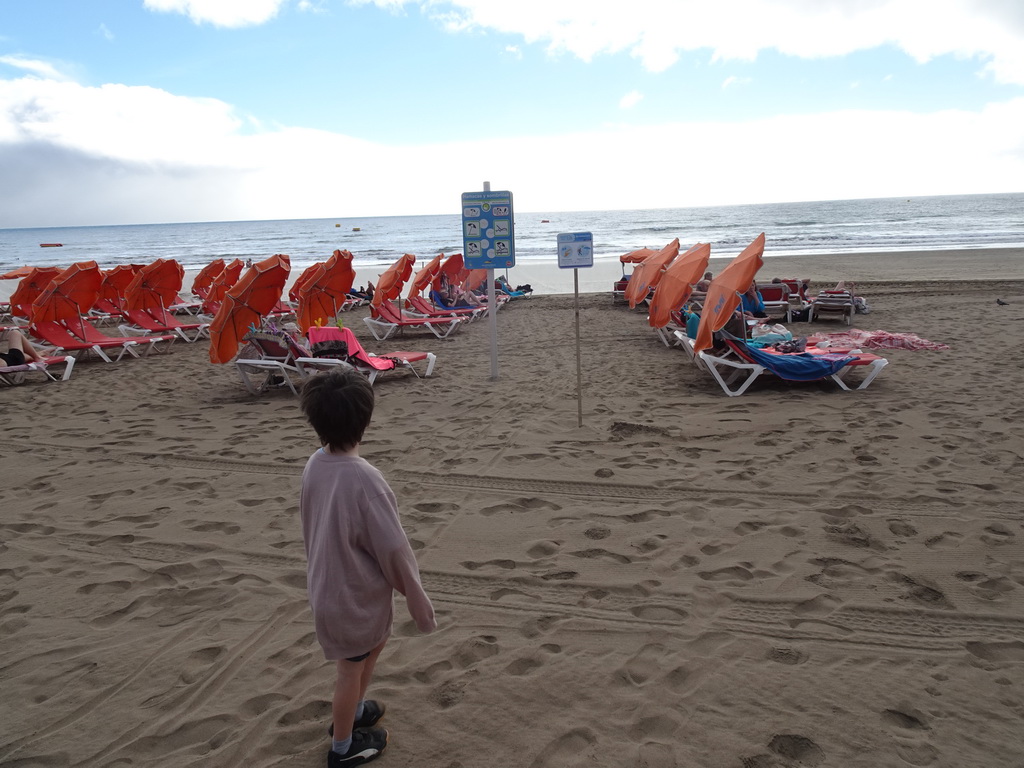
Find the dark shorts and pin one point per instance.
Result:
(360, 657)
(13, 357)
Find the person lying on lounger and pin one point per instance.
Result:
(15, 349)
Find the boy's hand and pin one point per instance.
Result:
(427, 623)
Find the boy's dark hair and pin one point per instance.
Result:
(338, 405)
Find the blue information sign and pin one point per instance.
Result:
(575, 249)
(488, 239)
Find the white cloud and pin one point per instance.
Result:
(122, 154)
(33, 66)
(732, 81)
(220, 13)
(104, 31)
(656, 32)
(630, 100)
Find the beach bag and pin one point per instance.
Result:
(335, 349)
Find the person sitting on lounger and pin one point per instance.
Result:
(705, 283)
(15, 349)
(752, 303)
(452, 297)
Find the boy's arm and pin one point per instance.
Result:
(400, 569)
(397, 562)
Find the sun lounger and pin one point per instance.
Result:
(385, 320)
(63, 341)
(740, 365)
(142, 322)
(418, 306)
(356, 356)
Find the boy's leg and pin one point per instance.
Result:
(347, 695)
(367, 672)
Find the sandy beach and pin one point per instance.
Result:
(796, 577)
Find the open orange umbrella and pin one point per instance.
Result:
(29, 288)
(647, 275)
(204, 279)
(453, 270)
(323, 295)
(425, 276)
(302, 279)
(155, 286)
(69, 295)
(725, 290)
(114, 287)
(224, 280)
(474, 279)
(17, 274)
(677, 283)
(245, 304)
(637, 256)
(389, 286)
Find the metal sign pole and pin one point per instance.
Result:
(579, 367)
(488, 237)
(575, 250)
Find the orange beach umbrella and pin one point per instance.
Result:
(115, 285)
(17, 274)
(389, 286)
(453, 270)
(648, 274)
(69, 295)
(155, 286)
(28, 290)
(677, 283)
(324, 293)
(637, 256)
(302, 279)
(725, 290)
(224, 280)
(245, 304)
(204, 278)
(474, 279)
(425, 276)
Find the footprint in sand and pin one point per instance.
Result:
(521, 505)
(799, 748)
(644, 665)
(573, 748)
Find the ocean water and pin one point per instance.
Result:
(839, 226)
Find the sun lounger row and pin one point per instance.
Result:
(280, 358)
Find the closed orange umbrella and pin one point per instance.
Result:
(224, 280)
(204, 279)
(29, 288)
(677, 283)
(69, 295)
(155, 286)
(323, 295)
(245, 304)
(389, 286)
(425, 276)
(647, 275)
(725, 290)
(301, 280)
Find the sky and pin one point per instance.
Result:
(147, 111)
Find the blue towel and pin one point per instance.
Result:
(797, 367)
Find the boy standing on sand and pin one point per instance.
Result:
(357, 556)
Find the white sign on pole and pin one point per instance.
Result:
(575, 250)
